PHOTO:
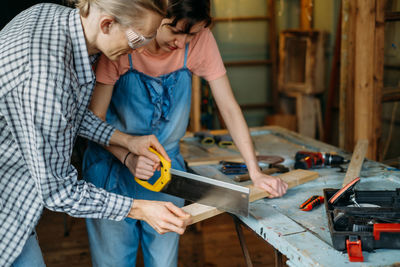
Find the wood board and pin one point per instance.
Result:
(196, 154)
(353, 171)
(201, 212)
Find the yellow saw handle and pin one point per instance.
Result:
(164, 178)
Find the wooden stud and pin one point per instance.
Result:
(378, 76)
(306, 14)
(318, 114)
(361, 73)
(346, 93)
(364, 73)
(273, 48)
(306, 115)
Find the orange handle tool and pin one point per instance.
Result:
(311, 203)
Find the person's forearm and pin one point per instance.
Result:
(119, 138)
(119, 152)
(234, 120)
(239, 131)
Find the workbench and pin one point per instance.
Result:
(303, 237)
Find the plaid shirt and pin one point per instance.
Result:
(46, 81)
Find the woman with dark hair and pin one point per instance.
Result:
(149, 92)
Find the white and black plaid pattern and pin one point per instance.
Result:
(46, 81)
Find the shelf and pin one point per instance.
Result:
(392, 16)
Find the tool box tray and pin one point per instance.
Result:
(346, 219)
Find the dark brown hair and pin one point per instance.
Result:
(191, 11)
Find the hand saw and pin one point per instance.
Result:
(226, 196)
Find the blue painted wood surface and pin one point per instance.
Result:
(303, 237)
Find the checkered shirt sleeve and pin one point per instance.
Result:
(46, 81)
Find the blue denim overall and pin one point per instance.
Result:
(140, 105)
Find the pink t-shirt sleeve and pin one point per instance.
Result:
(204, 58)
(108, 72)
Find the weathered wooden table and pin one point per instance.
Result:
(303, 237)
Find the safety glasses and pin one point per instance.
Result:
(136, 40)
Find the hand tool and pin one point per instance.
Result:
(269, 159)
(229, 167)
(222, 195)
(206, 138)
(309, 159)
(311, 203)
(222, 140)
(273, 168)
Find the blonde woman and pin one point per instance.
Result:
(46, 81)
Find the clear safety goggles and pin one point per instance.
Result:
(136, 40)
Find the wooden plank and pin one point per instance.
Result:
(333, 81)
(287, 121)
(353, 171)
(306, 14)
(201, 212)
(196, 154)
(346, 94)
(378, 77)
(212, 160)
(366, 112)
(273, 50)
(318, 115)
(306, 115)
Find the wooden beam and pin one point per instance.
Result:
(357, 159)
(294, 178)
(379, 55)
(392, 16)
(333, 81)
(306, 14)
(346, 92)
(273, 49)
(306, 115)
(361, 73)
(364, 72)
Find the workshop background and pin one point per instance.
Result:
(266, 45)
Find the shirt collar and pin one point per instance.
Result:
(82, 61)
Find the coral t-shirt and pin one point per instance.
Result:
(203, 60)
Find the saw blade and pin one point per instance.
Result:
(222, 195)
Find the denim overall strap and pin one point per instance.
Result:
(130, 61)
(186, 55)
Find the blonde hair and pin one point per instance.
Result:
(125, 12)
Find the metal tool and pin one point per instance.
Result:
(311, 203)
(230, 167)
(222, 140)
(226, 196)
(272, 168)
(309, 160)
